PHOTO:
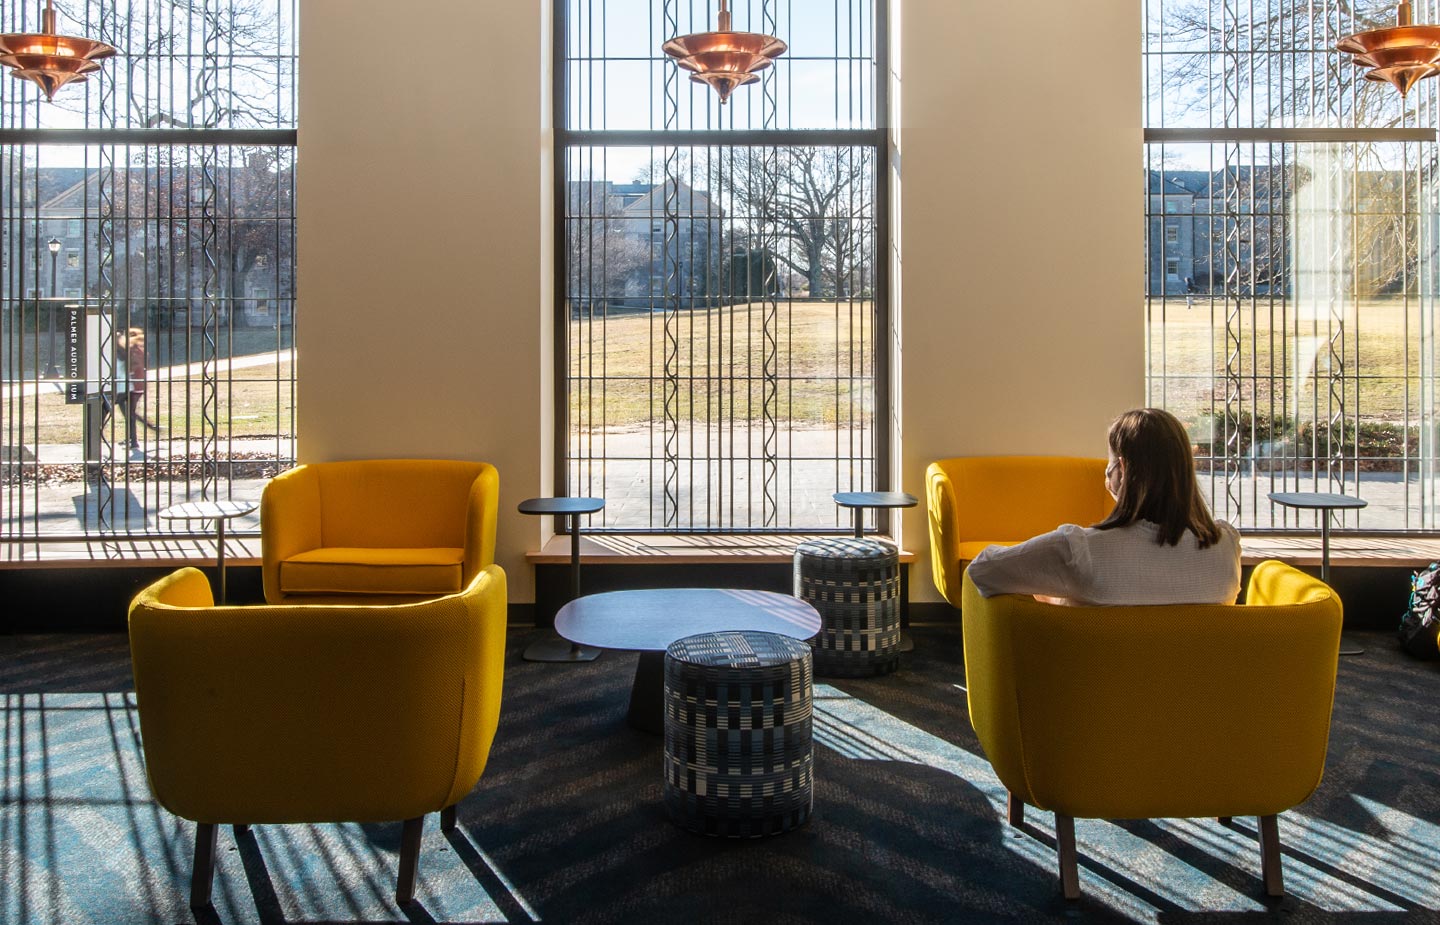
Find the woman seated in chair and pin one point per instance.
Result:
(1159, 545)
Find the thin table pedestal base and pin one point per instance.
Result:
(555, 649)
(552, 648)
(647, 694)
(1324, 502)
(1346, 646)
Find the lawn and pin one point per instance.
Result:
(720, 359)
(255, 400)
(720, 355)
(1379, 357)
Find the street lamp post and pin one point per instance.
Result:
(53, 370)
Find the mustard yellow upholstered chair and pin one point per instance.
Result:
(1153, 712)
(412, 527)
(978, 501)
(315, 712)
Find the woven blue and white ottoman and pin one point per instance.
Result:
(855, 585)
(738, 756)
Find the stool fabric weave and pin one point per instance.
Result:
(855, 585)
(739, 760)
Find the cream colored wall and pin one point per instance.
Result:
(425, 260)
(1019, 247)
(422, 277)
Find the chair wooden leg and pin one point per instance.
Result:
(241, 831)
(1270, 856)
(1014, 810)
(1065, 845)
(409, 859)
(203, 873)
(449, 816)
(1224, 820)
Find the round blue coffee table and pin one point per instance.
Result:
(648, 621)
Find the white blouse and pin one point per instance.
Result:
(1121, 566)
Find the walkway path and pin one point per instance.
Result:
(729, 494)
(31, 387)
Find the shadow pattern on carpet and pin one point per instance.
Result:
(567, 826)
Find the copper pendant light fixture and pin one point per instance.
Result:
(724, 59)
(1402, 54)
(51, 60)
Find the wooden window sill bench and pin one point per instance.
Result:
(681, 549)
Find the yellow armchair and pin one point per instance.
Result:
(412, 527)
(979, 501)
(315, 713)
(1152, 712)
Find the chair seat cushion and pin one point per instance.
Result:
(968, 551)
(364, 570)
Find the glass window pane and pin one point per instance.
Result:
(699, 337)
(721, 299)
(147, 292)
(1285, 323)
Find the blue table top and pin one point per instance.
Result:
(1317, 500)
(875, 499)
(561, 505)
(649, 620)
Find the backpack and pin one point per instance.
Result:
(1420, 625)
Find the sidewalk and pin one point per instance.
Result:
(71, 505)
(75, 508)
(722, 493)
(176, 450)
(29, 388)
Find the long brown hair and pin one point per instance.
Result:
(1159, 478)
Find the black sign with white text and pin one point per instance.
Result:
(74, 354)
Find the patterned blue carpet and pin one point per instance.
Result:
(566, 825)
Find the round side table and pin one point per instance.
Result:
(1324, 502)
(553, 648)
(218, 511)
(858, 501)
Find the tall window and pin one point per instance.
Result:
(721, 277)
(1291, 322)
(147, 253)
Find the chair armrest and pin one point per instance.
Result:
(186, 587)
(1277, 583)
(480, 511)
(944, 533)
(991, 686)
(485, 600)
(290, 521)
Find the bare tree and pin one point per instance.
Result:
(181, 64)
(1270, 62)
(158, 231)
(236, 81)
(1231, 64)
(814, 205)
(604, 257)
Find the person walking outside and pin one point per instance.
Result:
(130, 372)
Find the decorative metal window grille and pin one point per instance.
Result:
(721, 277)
(147, 223)
(1292, 325)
